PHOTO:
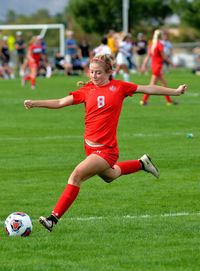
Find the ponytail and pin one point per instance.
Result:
(156, 36)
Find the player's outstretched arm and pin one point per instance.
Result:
(51, 104)
(159, 90)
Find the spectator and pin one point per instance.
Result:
(11, 47)
(84, 48)
(196, 70)
(168, 48)
(69, 68)
(70, 47)
(60, 63)
(5, 59)
(141, 50)
(1, 72)
(77, 65)
(20, 47)
(45, 67)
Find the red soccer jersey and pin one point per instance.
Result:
(157, 59)
(102, 107)
(35, 52)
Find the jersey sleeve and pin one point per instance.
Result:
(78, 95)
(129, 88)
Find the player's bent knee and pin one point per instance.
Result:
(106, 178)
(76, 177)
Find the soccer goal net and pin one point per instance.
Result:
(43, 29)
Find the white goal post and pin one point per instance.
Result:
(43, 28)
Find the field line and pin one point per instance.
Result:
(192, 94)
(134, 217)
(41, 138)
(127, 217)
(62, 137)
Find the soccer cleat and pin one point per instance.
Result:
(172, 103)
(47, 223)
(143, 103)
(148, 166)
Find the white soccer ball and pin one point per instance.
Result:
(18, 224)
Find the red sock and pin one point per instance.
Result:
(145, 98)
(169, 100)
(32, 81)
(128, 167)
(66, 199)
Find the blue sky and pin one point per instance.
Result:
(28, 7)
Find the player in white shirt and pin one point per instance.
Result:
(124, 55)
(103, 48)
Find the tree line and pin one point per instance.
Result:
(94, 18)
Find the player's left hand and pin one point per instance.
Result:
(28, 104)
(181, 89)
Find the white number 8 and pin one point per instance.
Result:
(100, 101)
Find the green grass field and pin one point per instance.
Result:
(136, 223)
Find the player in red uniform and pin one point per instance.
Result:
(33, 58)
(156, 53)
(103, 98)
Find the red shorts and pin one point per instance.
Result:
(156, 70)
(110, 154)
(33, 65)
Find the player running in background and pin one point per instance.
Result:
(103, 98)
(33, 60)
(124, 57)
(156, 53)
(103, 48)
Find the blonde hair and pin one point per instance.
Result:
(156, 36)
(106, 61)
(32, 40)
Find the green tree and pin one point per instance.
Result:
(188, 11)
(99, 16)
(11, 16)
(42, 16)
(152, 12)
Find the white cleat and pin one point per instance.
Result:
(148, 166)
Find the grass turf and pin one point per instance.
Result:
(121, 226)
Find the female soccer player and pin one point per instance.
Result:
(33, 61)
(156, 53)
(103, 98)
(123, 58)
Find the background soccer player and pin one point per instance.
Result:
(156, 53)
(103, 98)
(33, 57)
